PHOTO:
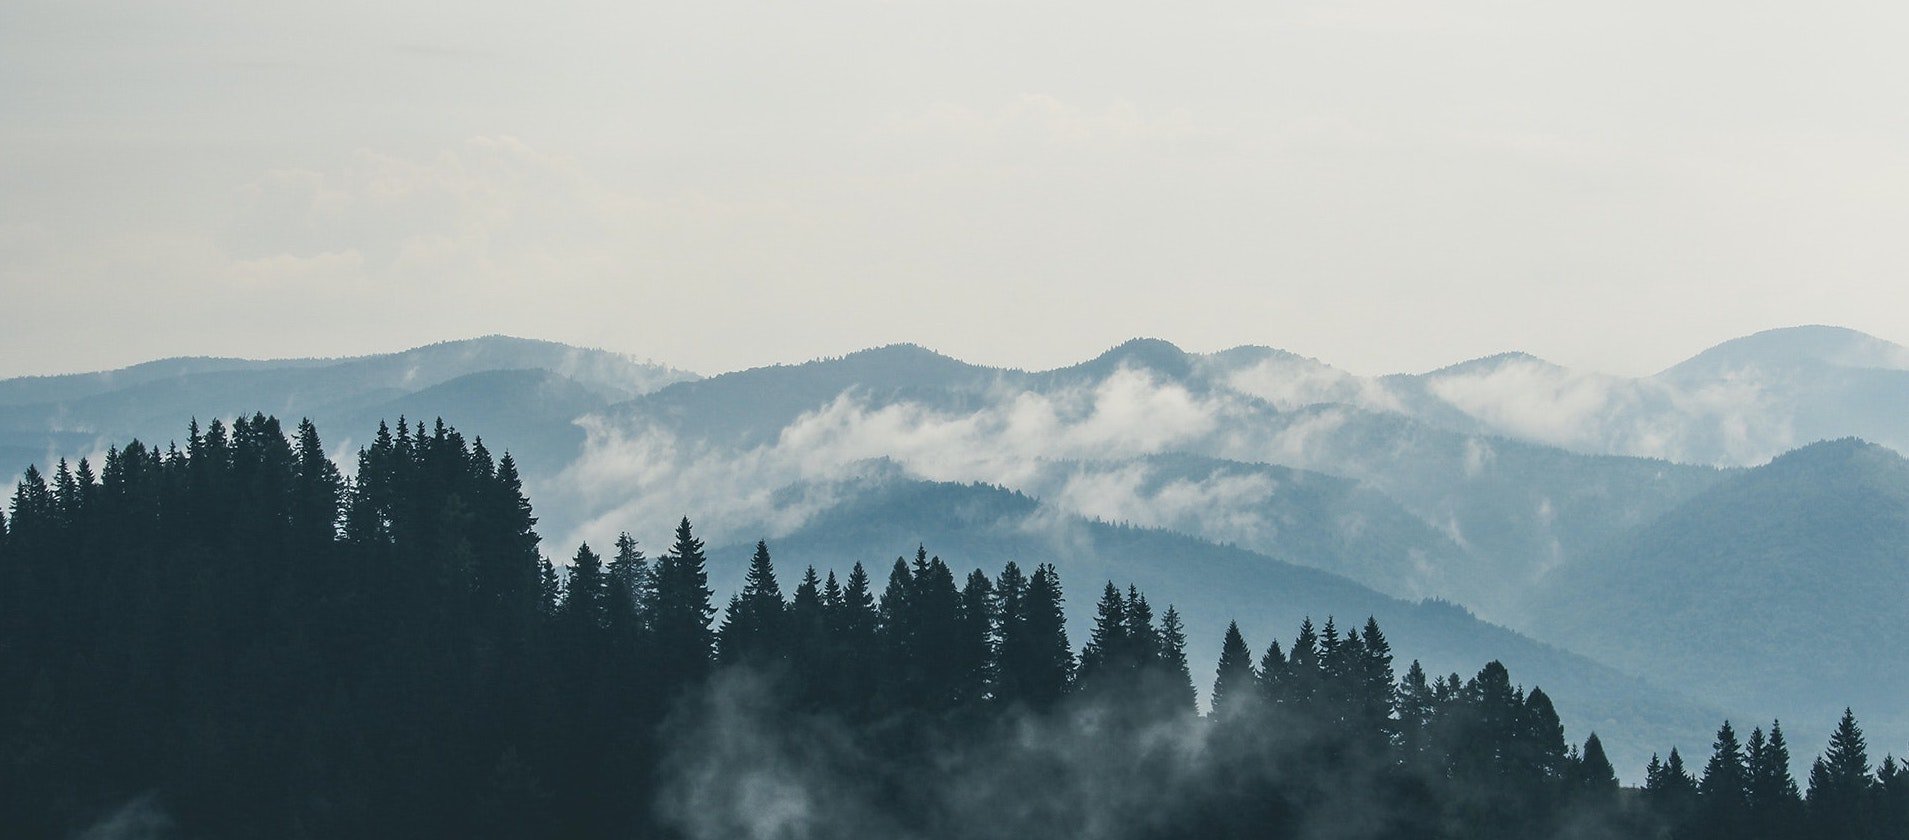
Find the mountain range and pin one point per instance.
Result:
(1661, 551)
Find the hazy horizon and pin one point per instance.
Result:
(1085, 354)
(1610, 186)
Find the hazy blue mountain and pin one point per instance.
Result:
(1428, 511)
(1492, 483)
(749, 407)
(1737, 404)
(81, 414)
(977, 526)
(1809, 348)
(1520, 512)
(1781, 589)
(529, 413)
(27, 390)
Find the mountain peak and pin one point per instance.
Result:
(1485, 364)
(1786, 348)
(1152, 354)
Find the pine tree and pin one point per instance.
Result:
(1373, 686)
(1107, 655)
(1840, 784)
(1416, 705)
(1275, 676)
(1036, 662)
(1891, 805)
(1672, 792)
(1143, 638)
(1776, 806)
(1182, 697)
(1592, 778)
(975, 653)
(1725, 788)
(679, 622)
(1305, 675)
(753, 625)
(585, 594)
(854, 629)
(1539, 739)
(1234, 680)
(1046, 626)
(629, 594)
(807, 642)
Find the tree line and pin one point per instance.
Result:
(235, 631)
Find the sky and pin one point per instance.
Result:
(1388, 185)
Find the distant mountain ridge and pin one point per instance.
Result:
(1505, 484)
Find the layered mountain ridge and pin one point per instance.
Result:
(1608, 516)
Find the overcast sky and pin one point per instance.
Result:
(1385, 184)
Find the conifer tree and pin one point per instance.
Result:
(1672, 792)
(1416, 704)
(1592, 778)
(585, 594)
(1373, 691)
(1051, 660)
(1234, 680)
(1890, 809)
(1305, 675)
(1274, 676)
(1182, 697)
(1840, 784)
(975, 652)
(1539, 740)
(629, 574)
(1725, 788)
(1142, 635)
(807, 642)
(854, 629)
(1775, 804)
(679, 621)
(1108, 647)
(754, 621)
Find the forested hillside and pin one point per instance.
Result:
(232, 639)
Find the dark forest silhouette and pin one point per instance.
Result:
(237, 634)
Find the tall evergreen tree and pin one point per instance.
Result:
(586, 593)
(753, 626)
(1840, 784)
(1725, 788)
(974, 663)
(679, 620)
(1593, 780)
(1234, 680)
(1108, 654)
(1775, 804)
(1182, 697)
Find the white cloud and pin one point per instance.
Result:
(654, 475)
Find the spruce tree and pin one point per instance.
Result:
(753, 626)
(1890, 809)
(1672, 793)
(679, 623)
(1592, 778)
(1725, 789)
(854, 630)
(1416, 705)
(1840, 784)
(1234, 679)
(1107, 655)
(1051, 659)
(975, 653)
(585, 594)
(1182, 697)
(631, 588)
(1776, 806)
